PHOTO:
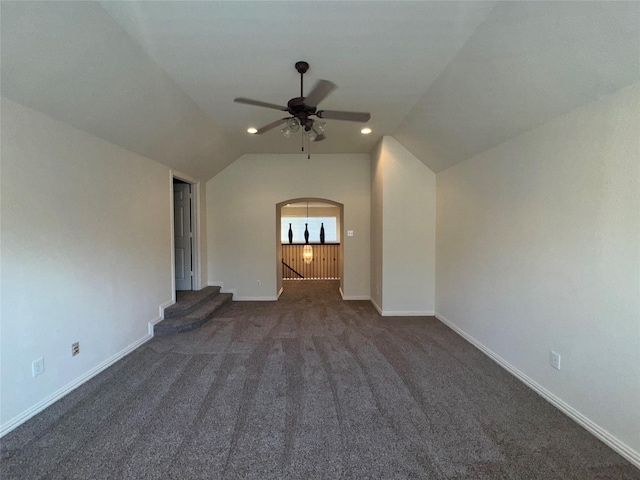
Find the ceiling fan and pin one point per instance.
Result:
(302, 108)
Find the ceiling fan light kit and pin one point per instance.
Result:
(302, 108)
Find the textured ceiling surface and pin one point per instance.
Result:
(447, 79)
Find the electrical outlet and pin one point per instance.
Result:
(37, 367)
(554, 359)
(258, 283)
(349, 233)
(75, 349)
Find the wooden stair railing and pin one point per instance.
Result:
(289, 269)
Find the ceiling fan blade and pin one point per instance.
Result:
(258, 103)
(266, 128)
(362, 117)
(320, 137)
(319, 92)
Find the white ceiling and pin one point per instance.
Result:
(447, 79)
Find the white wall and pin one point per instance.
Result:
(404, 219)
(203, 263)
(241, 217)
(377, 186)
(85, 255)
(538, 249)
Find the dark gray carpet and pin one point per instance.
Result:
(307, 387)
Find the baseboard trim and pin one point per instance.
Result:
(353, 297)
(163, 307)
(280, 292)
(407, 313)
(160, 317)
(402, 313)
(599, 432)
(253, 299)
(377, 307)
(57, 395)
(150, 329)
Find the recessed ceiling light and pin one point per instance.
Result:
(252, 130)
(365, 131)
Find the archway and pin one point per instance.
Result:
(314, 206)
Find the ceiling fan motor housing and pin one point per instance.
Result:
(298, 109)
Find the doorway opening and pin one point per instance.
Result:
(185, 246)
(309, 241)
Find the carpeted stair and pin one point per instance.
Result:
(192, 310)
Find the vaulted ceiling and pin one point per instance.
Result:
(446, 79)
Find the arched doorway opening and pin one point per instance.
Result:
(327, 259)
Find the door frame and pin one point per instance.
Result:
(196, 281)
(279, 206)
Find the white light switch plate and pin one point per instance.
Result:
(554, 360)
(37, 367)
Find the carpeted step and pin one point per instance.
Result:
(188, 301)
(195, 318)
